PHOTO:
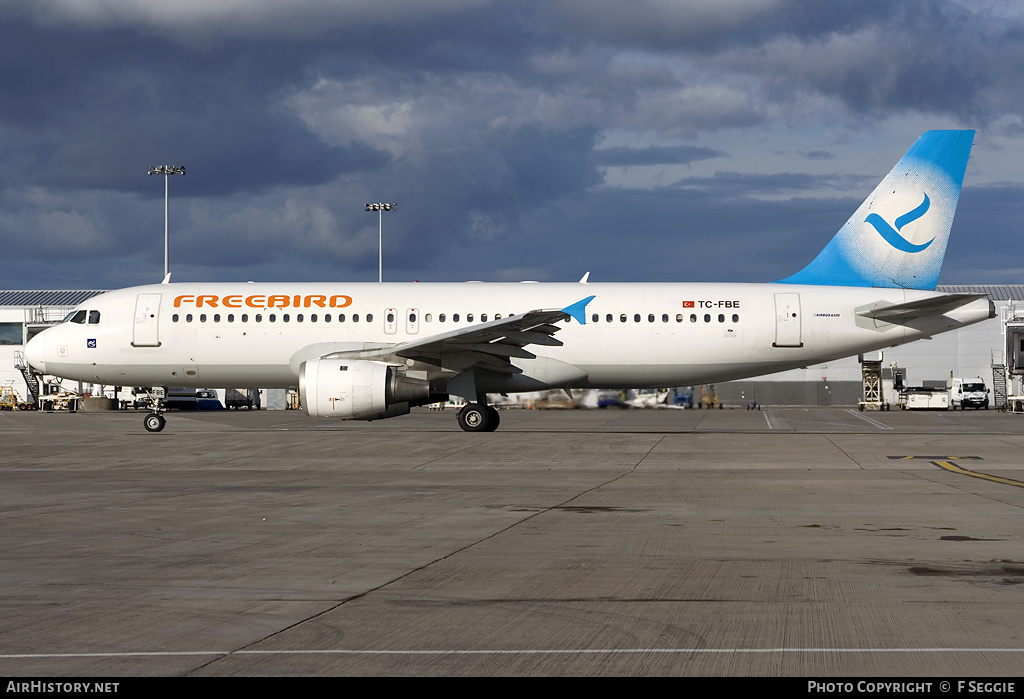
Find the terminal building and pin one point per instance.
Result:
(975, 351)
(22, 315)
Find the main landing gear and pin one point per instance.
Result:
(478, 417)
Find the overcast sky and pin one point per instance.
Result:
(651, 140)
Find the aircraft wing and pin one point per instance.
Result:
(903, 312)
(489, 345)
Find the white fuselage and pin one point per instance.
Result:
(636, 334)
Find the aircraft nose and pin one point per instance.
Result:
(35, 353)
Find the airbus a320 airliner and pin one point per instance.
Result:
(368, 351)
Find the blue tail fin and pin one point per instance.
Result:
(897, 238)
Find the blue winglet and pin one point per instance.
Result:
(578, 310)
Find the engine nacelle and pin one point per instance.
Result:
(357, 389)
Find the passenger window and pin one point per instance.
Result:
(312, 317)
(369, 317)
(188, 318)
(412, 317)
(174, 318)
(327, 318)
(285, 317)
(440, 318)
(429, 317)
(272, 317)
(455, 317)
(391, 317)
(693, 317)
(735, 318)
(721, 317)
(664, 317)
(259, 317)
(94, 317)
(483, 317)
(497, 316)
(608, 318)
(298, 318)
(594, 318)
(707, 317)
(245, 317)
(469, 317)
(650, 318)
(202, 317)
(622, 318)
(636, 317)
(231, 317)
(355, 317)
(679, 317)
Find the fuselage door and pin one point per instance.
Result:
(787, 321)
(147, 319)
(412, 321)
(390, 321)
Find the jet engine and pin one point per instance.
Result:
(358, 389)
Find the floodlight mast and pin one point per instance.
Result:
(380, 208)
(166, 171)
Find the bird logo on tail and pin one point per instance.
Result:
(892, 236)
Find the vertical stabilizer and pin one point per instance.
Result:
(897, 238)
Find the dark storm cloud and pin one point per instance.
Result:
(731, 184)
(817, 155)
(91, 111)
(682, 235)
(985, 239)
(703, 27)
(924, 56)
(654, 155)
(484, 120)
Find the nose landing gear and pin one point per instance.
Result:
(154, 422)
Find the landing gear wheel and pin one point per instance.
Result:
(154, 422)
(495, 418)
(476, 418)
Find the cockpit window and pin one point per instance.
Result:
(76, 317)
(94, 317)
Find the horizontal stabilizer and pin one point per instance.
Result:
(902, 312)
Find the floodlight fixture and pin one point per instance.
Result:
(380, 208)
(166, 171)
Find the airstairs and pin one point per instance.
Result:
(31, 380)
